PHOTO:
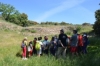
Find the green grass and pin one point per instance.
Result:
(10, 42)
(10, 46)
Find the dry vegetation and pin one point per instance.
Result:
(41, 30)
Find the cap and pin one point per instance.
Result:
(25, 37)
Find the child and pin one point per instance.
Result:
(30, 48)
(23, 46)
(53, 46)
(38, 47)
(45, 45)
(34, 43)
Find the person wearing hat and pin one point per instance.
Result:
(25, 41)
(85, 43)
(62, 45)
(24, 48)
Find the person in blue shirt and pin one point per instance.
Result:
(45, 47)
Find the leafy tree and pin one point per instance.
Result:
(14, 18)
(96, 25)
(23, 18)
(6, 10)
(9, 13)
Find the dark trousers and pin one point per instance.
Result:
(46, 51)
(79, 49)
(85, 49)
(53, 51)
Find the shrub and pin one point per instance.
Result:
(78, 28)
(68, 33)
(33, 31)
(71, 28)
(86, 24)
(25, 30)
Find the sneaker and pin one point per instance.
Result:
(25, 58)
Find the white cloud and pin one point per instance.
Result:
(64, 6)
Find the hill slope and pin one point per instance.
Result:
(41, 30)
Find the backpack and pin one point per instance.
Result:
(22, 45)
(37, 46)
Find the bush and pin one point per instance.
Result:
(71, 28)
(68, 33)
(86, 24)
(28, 30)
(33, 31)
(25, 30)
(78, 28)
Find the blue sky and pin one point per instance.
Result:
(70, 11)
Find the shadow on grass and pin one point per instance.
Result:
(19, 54)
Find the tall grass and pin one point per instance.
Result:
(10, 45)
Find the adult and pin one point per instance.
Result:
(74, 42)
(80, 44)
(62, 44)
(85, 43)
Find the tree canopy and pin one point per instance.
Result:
(96, 25)
(9, 13)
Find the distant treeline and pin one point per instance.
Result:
(10, 14)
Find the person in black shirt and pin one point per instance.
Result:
(62, 44)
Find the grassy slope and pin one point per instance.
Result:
(10, 46)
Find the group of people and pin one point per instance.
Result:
(57, 46)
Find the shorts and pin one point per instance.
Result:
(73, 49)
(39, 51)
(30, 52)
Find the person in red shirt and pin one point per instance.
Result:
(80, 43)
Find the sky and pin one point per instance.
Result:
(69, 11)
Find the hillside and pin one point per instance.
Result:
(8, 25)
(41, 30)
